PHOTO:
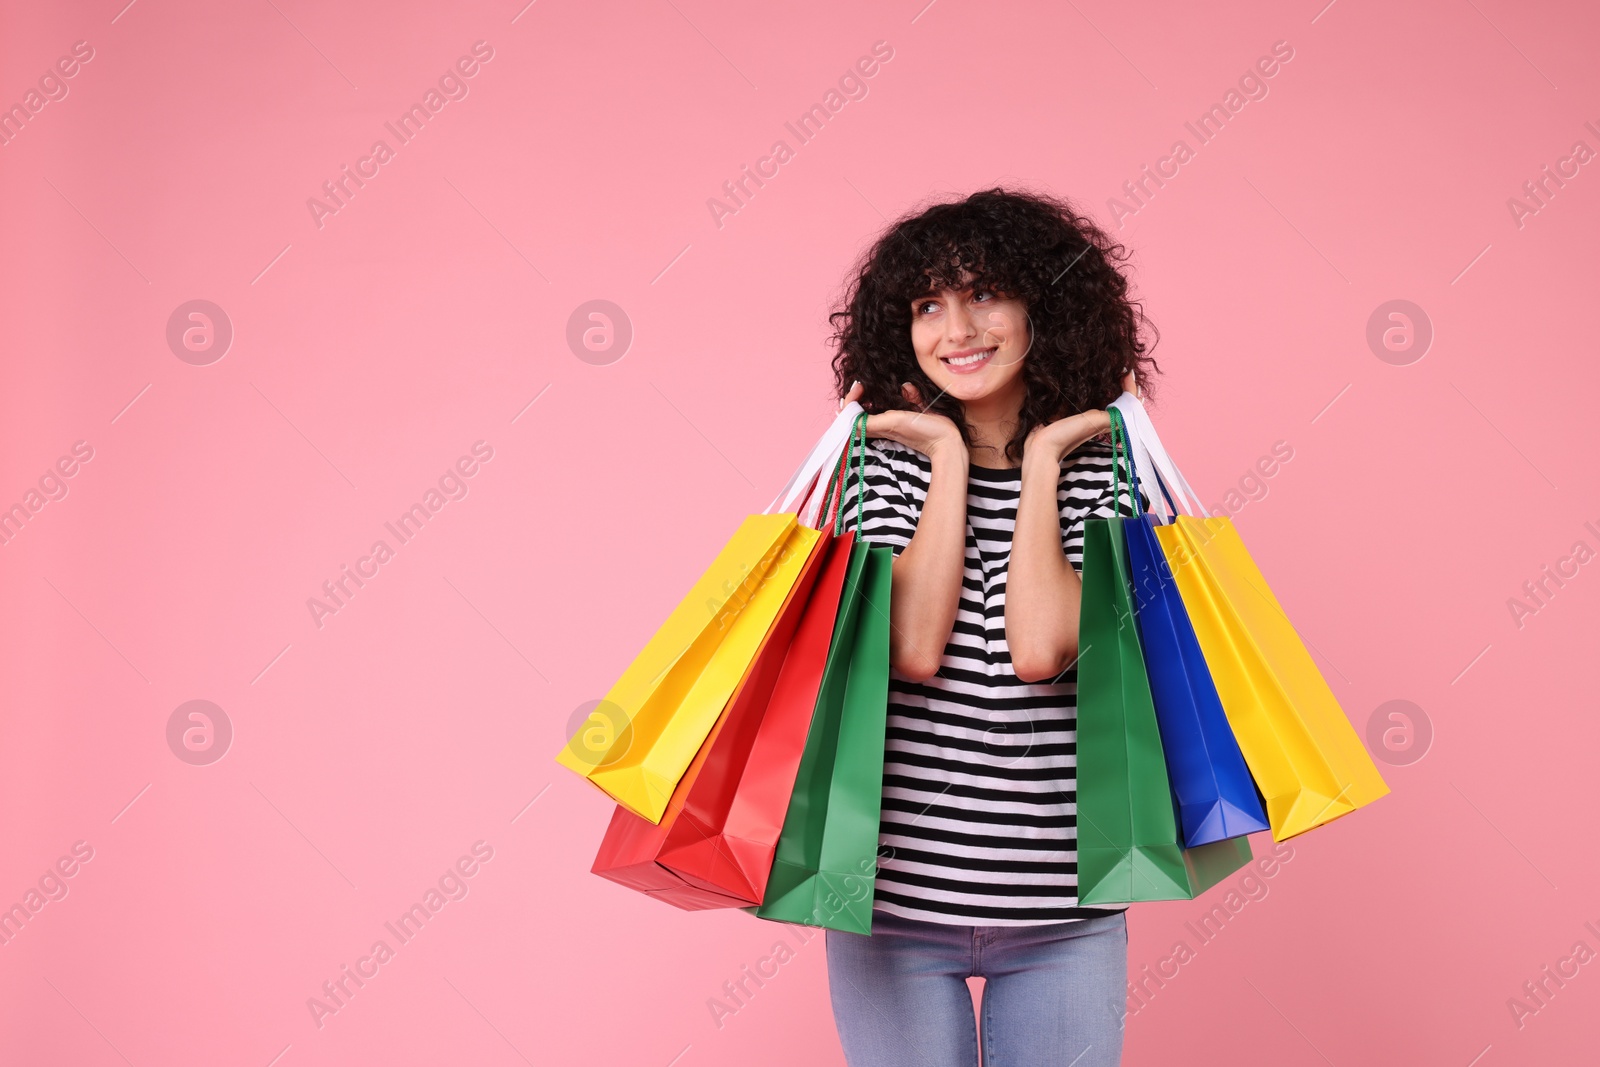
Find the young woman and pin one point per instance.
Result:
(986, 337)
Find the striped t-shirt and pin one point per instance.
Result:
(979, 791)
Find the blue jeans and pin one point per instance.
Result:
(1053, 994)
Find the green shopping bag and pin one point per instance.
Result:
(824, 868)
(1129, 848)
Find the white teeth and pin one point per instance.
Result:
(974, 358)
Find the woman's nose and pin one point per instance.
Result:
(960, 324)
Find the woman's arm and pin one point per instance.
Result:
(1043, 589)
(925, 590)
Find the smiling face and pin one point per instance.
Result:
(971, 343)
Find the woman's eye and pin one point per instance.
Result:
(925, 305)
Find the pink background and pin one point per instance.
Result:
(431, 310)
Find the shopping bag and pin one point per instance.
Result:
(640, 739)
(1215, 794)
(1301, 749)
(824, 867)
(630, 851)
(724, 838)
(1302, 752)
(714, 844)
(638, 853)
(1128, 845)
(654, 719)
(690, 859)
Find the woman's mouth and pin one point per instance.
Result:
(969, 362)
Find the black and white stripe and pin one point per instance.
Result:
(979, 790)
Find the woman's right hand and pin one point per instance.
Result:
(926, 431)
(925, 595)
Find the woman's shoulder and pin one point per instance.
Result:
(1087, 472)
(896, 454)
(893, 468)
(1092, 459)
(1097, 447)
(1088, 467)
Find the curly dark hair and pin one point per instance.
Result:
(1032, 246)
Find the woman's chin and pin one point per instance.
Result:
(969, 388)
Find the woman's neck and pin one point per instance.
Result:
(991, 421)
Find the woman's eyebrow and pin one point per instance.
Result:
(933, 294)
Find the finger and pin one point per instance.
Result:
(853, 394)
(886, 426)
(912, 393)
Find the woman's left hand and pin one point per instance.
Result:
(1062, 436)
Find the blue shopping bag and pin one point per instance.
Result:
(1215, 796)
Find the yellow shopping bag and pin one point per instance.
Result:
(639, 740)
(1301, 749)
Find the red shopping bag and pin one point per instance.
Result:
(710, 868)
(724, 838)
(628, 852)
